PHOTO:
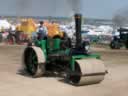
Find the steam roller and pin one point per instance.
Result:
(58, 57)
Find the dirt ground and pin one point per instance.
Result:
(14, 84)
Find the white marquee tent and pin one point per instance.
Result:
(4, 24)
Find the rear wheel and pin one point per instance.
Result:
(1, 38)
(34, 61)
(115, 45)
(126, 45)
(31, 61)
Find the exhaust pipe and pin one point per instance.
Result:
(78, 30)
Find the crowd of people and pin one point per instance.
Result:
(28, 30)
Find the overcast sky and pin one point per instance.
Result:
(103, 8)
(89, 8)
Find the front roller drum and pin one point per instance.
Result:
(87, 71)
(34, 61)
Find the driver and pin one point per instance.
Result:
(42, 31)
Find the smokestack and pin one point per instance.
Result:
(78, 29)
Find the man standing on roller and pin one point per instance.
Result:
(42, 31)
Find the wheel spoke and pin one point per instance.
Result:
(33, 61)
